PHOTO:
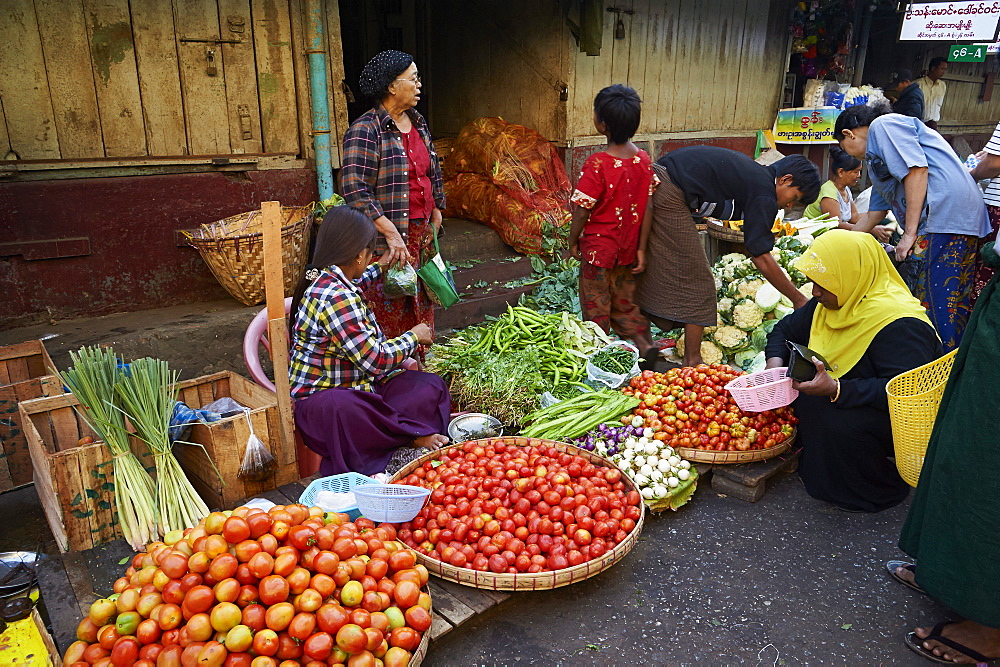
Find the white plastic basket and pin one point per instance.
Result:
(394, 503)
(765, 390)
(342, 483)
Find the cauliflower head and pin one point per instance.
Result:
(730, 338)
(748, 288)
(710, 353)
(747, 315)
(725, 306)
(718, 323)
(732, 258)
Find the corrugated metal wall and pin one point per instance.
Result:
(699, 65)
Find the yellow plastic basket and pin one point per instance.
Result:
(914, 397)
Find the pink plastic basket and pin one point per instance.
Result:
(764, 390)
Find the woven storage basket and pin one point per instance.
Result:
(541, 580)
(716, 230)
(914, 397)
(721, 458)
(233, 248)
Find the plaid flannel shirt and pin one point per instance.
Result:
(374, 174)
(336, 341)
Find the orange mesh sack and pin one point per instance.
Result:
(510, 178)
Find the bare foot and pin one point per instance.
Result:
(907, 575)
(981, 638)
(432, 442)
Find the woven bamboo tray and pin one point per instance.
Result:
(421, 652)
(233, 249)
(530, 581)
(706, 456)
(716, 230)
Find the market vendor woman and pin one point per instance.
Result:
(354, 403)
(869, 328)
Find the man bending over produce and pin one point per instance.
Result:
(728, 185)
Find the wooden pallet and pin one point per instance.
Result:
(70, 582)
(748, 481)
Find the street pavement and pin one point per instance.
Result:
(783, 581)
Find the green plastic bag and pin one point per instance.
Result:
(437, 278)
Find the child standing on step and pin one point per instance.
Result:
(612, 218)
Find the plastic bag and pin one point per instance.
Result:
(183, 417)
(400, 282)
(598, 376)
(258, 461)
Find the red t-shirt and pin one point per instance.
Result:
(421, 195)
(616, 192)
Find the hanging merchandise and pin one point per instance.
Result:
(821, 38)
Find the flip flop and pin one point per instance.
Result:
(915, 644)
(893, 565)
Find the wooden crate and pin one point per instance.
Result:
(75, 483)
(25, 373)
(225, 441)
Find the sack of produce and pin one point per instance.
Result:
(613, 365)
(400, 282)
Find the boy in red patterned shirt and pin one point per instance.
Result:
(611, 220)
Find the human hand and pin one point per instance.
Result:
(640, 261)
(424, 334)
(822, 383)
(882, 233)
(905, 246)
(574, 250)
(398, 254)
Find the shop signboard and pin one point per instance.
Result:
(967, 53)
(965, 21)
(805, 125)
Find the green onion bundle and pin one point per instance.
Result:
(147, 394)
(92, 379)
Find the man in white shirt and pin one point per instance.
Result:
(934, 89)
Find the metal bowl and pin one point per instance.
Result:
(23, 579)
(474, 425)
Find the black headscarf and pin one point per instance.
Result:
(381, 71)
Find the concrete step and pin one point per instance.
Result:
(465, 239)
(491, 272)
(474, 308)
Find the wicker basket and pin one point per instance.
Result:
(541, 580)
(914, 397)
(726, 457)
(718, 231)
(233, 248)
(421, 652)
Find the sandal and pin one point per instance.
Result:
(916, 644)
(894, 565)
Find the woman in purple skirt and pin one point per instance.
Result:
(354, 403)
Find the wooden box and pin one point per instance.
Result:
(225, 441)
(25, 373)
(75, 482)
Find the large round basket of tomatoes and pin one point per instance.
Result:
(520, 513)
(250, 588)
(690, 409)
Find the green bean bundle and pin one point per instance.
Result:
(574, 417)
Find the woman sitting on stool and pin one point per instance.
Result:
(354, 403)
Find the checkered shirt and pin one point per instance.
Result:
(374, 175)
(336, 341)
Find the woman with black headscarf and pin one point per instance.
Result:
(391, 173)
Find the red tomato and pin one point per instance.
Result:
(273, 589)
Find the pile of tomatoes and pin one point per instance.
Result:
(506, 508)
(690, 407)
(250, 588)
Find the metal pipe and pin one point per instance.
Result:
(862, 53)
(319, 94)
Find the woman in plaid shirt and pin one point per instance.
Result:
(391, 173)
(354, 403)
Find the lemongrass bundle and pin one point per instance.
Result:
(92, 380)
(147, 395)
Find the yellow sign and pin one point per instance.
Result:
(806, 125)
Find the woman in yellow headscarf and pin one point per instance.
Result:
(866, 324)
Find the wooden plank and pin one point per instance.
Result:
(339, 120)
(98, 466)
(204, 94)
(303, 93)
(733, 49)
(71, 77)
(4, 137)
(447, 605)
(659, 28)
(116, 77)
(277, 326)
(292, 490)
(159, 77)
(79, 579)
(65, 428)
(17, 370)
(275, 75)
(242, 103)
(471, 597)
(4, 375)
(24, 86)
(24, 349)
(621, 55)
(60, 602)
(439, 626)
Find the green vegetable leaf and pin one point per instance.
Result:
(124, 560)
(846, 626)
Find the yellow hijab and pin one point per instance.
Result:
(853, 266)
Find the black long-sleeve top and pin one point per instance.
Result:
(899, 347)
